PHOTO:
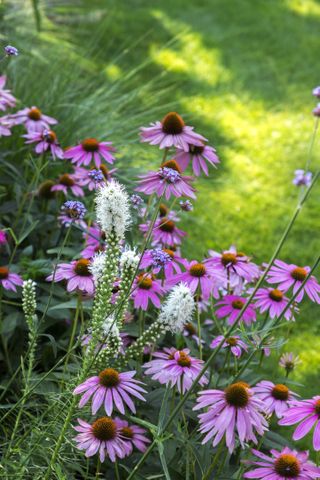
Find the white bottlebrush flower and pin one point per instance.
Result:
(97, 265)
(112, 208)
(178, 308)
(129, 259)
(109, 327)
(29, 304)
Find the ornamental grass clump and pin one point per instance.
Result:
(155, 360)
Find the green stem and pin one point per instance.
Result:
(214, 462)
(199, 327)
(73, 333)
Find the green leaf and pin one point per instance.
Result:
(27, 231)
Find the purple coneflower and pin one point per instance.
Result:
(198, 155)
(273, 301)
(307, 412)
(111, 389)
(200, 277)
(94, 238)
(68, 181)
(5, 126)
(230, 307)
(289, 361)
(171, 132)
(3, 237)
(167, 181)
(236, 267)
(93, 178)
(275, 397)
(230, 410)
(102, 436)
(283, 465)
(90, 149)
(234, 344)
(302, 178)
(7, 100)
(46, 141)
(33, 119)
(146, 288)
(190, 331)
(10, 280)
(77, 274)
(165, 231)
(175, 368)
(133, 435)
(287, 276)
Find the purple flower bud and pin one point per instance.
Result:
(74, 210)
(11, 51)
(96, 176)
(186, 205)
(316, 92)
(316, 111)
(136, 201)
(302, 178)
(169, 174)
(160, 258)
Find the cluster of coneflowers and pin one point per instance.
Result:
(223, 302)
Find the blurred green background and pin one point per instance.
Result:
(240, 71)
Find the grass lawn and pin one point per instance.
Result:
(241, 72)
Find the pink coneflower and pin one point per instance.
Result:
(68, 181)
(5, 126)
(236, 267)
(77, 274)
(283, 465)
(7, 100)
(93, 178)
(46, 141)
(88, 150)
(165, 231)
(231, 410)
(190, 331)
(133, 435)
(111, 389)
(9, 280)
(175, 368)
(199, 277)
(287, 276)
(146, 288)
(171, 132)
(234, 344)
(289, 361)
(95, 241)
(230, 307)
(167, 181)
(273, 301)
(33, 119)
(198, 155)
(102, 436)
(275, 397)
(308, 413)
(3, 237)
